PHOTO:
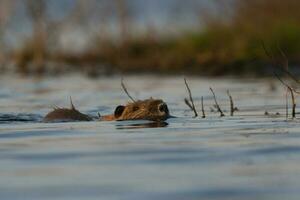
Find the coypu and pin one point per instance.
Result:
(149, 109)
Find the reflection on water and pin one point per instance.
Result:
(247, 156)
(142, 125)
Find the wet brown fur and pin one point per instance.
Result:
(66, 114)
(149, 109)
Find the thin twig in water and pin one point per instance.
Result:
(191, 103)
(292, 95)
(294, 104)
(125, 90)
(285, 84)
(216, 103)
(202, 108)
(284, 66)
(286, 104)
(186, 101)
(231, 103)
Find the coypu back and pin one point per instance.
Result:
(66, 114)
(149, 109)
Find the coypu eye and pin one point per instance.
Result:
(119, 110)
(135, 108)
(163, 108)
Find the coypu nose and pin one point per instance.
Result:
(163, 108)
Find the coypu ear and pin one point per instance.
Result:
(119, 110)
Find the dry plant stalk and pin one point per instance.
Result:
(286, 104)
(292, 91)
(186, 101)
(216, 103)
(294, 104)
(190, 102)
(126, 91)
(202, 108)
(284, 66)
(231, 103)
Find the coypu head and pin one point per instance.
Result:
(149, 109)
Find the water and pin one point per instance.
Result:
(248, 156)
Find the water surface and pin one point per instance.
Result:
(247, 156)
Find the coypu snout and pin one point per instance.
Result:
(163, 108)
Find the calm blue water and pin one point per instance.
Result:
(248, 156)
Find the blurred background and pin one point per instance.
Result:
(101, 37)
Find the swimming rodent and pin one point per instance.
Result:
(148, 109)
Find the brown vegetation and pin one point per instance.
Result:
(216, 103)
(228, 42)
(190, 102)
